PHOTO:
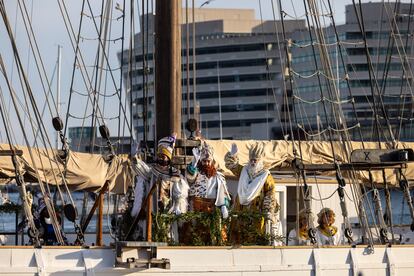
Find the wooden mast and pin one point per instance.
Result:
(168, 67)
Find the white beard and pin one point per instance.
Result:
(255, 170)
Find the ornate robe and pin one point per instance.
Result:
(172, 188)
(256, 194)
(214, 188)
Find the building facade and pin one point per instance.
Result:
(340, 87)
(241, 76)
(238, 74)
(81, 139)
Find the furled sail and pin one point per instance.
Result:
(86, 171)
(83, 171)
(279, 156)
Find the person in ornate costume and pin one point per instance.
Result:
(303, 237)
(256, 192)
(208, 188)
(326, 232)
(171, 186)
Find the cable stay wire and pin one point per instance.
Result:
(100, 16)
(84, 38)
(74, 39)
(38, 116)
(316, 43)
(349, 100)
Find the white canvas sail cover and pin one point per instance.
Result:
(278, 156)
(86, 171)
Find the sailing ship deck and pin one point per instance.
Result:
(395, 260)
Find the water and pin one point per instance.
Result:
(400, 211)
(8, 224)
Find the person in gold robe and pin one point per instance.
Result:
(256, 193)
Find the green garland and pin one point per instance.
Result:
(10, 208)
(206, 229)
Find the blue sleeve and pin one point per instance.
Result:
(191, 169)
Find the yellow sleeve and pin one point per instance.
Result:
(236, 170)
(270, 203)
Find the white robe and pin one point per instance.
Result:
(322, 239)
(293, 239)
(214, 188)
(248, 188)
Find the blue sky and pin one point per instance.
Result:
(50, 31)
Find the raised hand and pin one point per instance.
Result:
(196, 155)
(234, 149)
(224, 212)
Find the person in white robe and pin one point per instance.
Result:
(303, 229)
(171, 187)
(326, 232)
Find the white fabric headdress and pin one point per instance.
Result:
(256, 151)
(207, 152)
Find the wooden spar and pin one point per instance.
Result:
(99, 223)
(95, 205)
(168, 67)
(149, 218)
(144, 206)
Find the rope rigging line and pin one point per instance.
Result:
(373, 79)
(100, 16)
(132, 65)
(144, 45)
(121, 74)
(315, 43)
(80, 117)
(285, 14)
(37, 56)
(327, 130)
(83, 38)
(328, 67)
(316, 73)
(323, 99)
(109, 118)
(105, 95)
(41, 130)
(74, 39)
(98, 74)
(108, 64)
(78, 54)
(19, 177)
(355, 192)
(187, 54)
(278, 40)
(101, 68)
(401, 107)
(194, 58)
(268, 73)
(290, 81)
(98, 93)
(315, 63)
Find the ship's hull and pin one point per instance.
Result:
(396, 260)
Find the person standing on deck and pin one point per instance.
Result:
(256, 192)
(171, 186)
(208, 187)
(303, 237)
(326, 232)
